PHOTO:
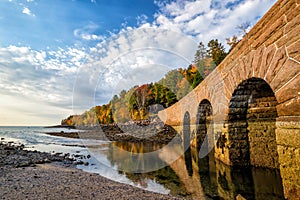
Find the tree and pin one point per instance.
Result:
(244, 27)
(200, 53)
(232, 42)
(197, 79)
(122, 94)
(216, 51)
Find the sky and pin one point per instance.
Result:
(62, 57)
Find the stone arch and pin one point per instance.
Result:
(251, 125)
(204, 125)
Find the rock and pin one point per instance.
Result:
(239, 197)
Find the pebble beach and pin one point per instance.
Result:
(37, 175)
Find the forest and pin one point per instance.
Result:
(145, 101)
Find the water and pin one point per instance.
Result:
(34, 138)
(155, 168)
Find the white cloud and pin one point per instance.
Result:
(53, 79)
(142, 19)
(208, 19)
(27, 11)
(87, 32)
(39, 79)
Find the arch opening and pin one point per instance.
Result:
(204, 127)
(251, 125)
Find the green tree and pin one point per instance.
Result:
(197, 79)
(216, 51)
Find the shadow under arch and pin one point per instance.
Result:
(186, 143)
(251, 125)
(204, 134)
(204, 140)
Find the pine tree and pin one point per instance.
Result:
(217, 51)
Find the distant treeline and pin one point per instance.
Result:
(143, 102)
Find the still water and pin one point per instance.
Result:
(163, 169)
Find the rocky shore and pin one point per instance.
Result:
(134, 132)
(14, 155)
(36, 175)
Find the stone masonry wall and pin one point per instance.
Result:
(270, 51)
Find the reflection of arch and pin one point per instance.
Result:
(186, 143)
(251, 125)
(186, 130)
(204, 126)
(207, 173)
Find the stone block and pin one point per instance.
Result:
(289, 108)
(288, 137)
(288, 157)
(293, 12)
(274, 37)
(287, 73)
(270, 30)
(257, 59)
(291, 25)
(294, 50)
(248, 61)
(289, 90)
(291, 191)
(290, 37)
(267, 57)
(276, 64)
(288, 122)
(293, 38)
(242, 69)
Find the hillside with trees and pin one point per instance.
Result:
(143, 102)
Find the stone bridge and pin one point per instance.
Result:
(248, 109)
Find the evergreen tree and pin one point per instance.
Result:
(200, 53)
(216, 51)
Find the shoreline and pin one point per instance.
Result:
(153, 132)
(37, 175)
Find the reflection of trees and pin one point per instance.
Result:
(119, 156)
(130, 156)
(165, 176)
(215, 179)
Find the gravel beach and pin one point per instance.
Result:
(35, 175)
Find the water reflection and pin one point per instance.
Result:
(198, 178)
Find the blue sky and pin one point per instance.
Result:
(61, 57)
(41, 24)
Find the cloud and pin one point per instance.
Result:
(26, 11)
(210, 19)
(38, 75)
(130, 57)
(87, 32)
(142, 19)
(79, 78)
